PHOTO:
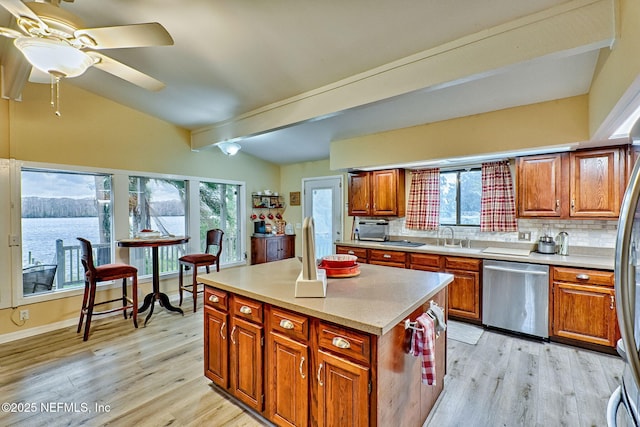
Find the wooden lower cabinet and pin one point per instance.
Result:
(233, 341)
(343, 392)
(246, 362)
(216, 349)
(361, 253)
(316, 372)
(465, 293)
(388, 258)
(272, 248)
(584, 306)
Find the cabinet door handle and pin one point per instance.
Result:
(573, 204)
(320, 380)
(214, 298)
(245, 309)
(582, 277)
(341, 342)
(612, 302)
(286, 324)
(557, 204)
(232, 332)
(351, 252)
(221, 329)
(300, 368)
(386, 256)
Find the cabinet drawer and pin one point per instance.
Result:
(353, 344)
(289, 324)
(576, 275)
(247, 309)
(387, 256)
(425, 260)
(361, 253)
(216, 298)
(467, 264)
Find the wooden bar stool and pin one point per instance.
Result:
(104, 273)
(193, 261)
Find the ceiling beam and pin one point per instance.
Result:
(567, 29)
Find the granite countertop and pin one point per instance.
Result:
(581, 260)
(373, 302)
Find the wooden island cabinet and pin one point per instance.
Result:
(334, 361)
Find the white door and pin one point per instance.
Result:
(323, 201)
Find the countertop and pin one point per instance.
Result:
(605, 262)
(373, 302)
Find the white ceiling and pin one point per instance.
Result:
(233, 57)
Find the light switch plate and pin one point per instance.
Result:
(524, 235)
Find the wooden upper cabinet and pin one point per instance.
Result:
(377, 193)
(580, 184)
(596, 182)
(540, 185)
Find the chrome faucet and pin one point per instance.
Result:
(441, 230)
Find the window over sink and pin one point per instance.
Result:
(460, 193)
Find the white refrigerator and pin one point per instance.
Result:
(624, 403)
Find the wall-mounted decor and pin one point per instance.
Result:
(294, 198)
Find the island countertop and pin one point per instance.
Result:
(373, 302)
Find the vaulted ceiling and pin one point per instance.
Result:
(286, 77)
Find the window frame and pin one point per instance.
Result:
(458, 171)
(120, 224)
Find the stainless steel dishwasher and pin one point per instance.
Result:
(515, 297)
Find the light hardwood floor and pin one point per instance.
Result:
(153, 376)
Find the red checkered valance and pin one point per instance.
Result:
(423, 207)
(497, 204)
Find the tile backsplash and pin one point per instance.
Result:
(588, 233)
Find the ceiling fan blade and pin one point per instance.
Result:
(20, 10)
(125, 72)
(38, 76)
(124, 36)
(14, 73)
(8, 32)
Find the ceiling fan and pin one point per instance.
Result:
(56, 42)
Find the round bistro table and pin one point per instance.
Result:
(154, 244)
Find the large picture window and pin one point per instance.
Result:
(157, 204)
(220, 208)
(460, 193)
(57, 207)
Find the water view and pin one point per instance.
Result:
(39, 235)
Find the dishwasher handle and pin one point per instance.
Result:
(514, 270)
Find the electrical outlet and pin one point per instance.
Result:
(524, 235)
(24, 314)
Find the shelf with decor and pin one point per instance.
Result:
(262, 201)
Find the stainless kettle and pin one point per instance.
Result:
(562, 242)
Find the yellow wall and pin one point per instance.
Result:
(291, 180)
(617, 68)
(97, 132)
(537, 125)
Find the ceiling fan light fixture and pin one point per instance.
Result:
(229, 148)
(54, 56)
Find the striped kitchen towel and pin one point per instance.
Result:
(424, 345)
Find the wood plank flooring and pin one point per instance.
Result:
(153, 376)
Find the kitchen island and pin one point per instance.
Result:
(338, 360)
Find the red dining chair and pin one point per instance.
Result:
(193, 261)
(103, 273)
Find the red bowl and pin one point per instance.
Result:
(339, 261)
(350, 271)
